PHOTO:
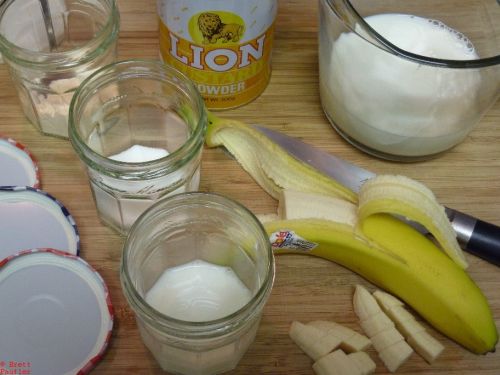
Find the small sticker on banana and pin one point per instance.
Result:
(287, 239)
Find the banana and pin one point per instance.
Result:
(403, 262)
(388, 342)
(383, 249)
(271, 166)
(351, 341)
(423, 343)
(363, 362)
(406, 197)
(314, 342)
(336, 363)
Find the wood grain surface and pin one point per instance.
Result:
(306, 288)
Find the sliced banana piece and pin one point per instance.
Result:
(336, 363)
(386, 338)
(376, 323)
(388, 342)
(267, 218)
(299, 205)
(426, 345)
(404, 196)
(365, 306)
(416, 335)
(314, 342)
(396, 355)
(387, 300)
(363, 361)
(351, 341)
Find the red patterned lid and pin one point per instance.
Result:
(56, 315)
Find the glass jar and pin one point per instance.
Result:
(401, 80)
(170, 236)
(46, 73)
(138, 126)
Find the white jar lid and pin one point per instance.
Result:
(31, 218)
(56, 316)
(17, 165)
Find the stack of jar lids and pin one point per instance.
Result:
(56, 316)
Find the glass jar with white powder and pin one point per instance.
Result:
(50, 47)
(197, 269)
(408, 81)
(138, 126)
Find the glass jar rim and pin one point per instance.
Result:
(66, 59)
(134, 68)
(379, 41)
(188, 329)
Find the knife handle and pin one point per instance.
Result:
(476, 236)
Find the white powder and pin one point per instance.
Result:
(139, 154)
(53, 108)
(395, 105)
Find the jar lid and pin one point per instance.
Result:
(17, 165)
(56, 316)
(31, 218)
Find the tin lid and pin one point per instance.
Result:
(56, 316)
(31, 218)
(17, 165)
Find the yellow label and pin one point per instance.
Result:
(228, 73)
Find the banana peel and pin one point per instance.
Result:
(273, 168)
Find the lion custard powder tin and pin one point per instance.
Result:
(223, 46)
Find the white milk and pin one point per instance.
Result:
(139, 154)
(198, 292)
(395, 105)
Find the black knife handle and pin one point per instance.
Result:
(476, 236)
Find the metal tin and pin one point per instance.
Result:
(223, 46)
(56, 316)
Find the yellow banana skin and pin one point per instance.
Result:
(418, 272)
(271, 166)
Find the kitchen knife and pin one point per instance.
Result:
(475, 236)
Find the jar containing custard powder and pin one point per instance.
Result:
(223, 46)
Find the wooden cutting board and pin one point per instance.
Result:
(306, 288)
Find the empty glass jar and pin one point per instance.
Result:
(50, 47)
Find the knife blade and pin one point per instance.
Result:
(474, 235)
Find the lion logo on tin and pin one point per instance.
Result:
(213, 29)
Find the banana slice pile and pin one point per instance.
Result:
(318, 216)
(327, 343)
(391, 329)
